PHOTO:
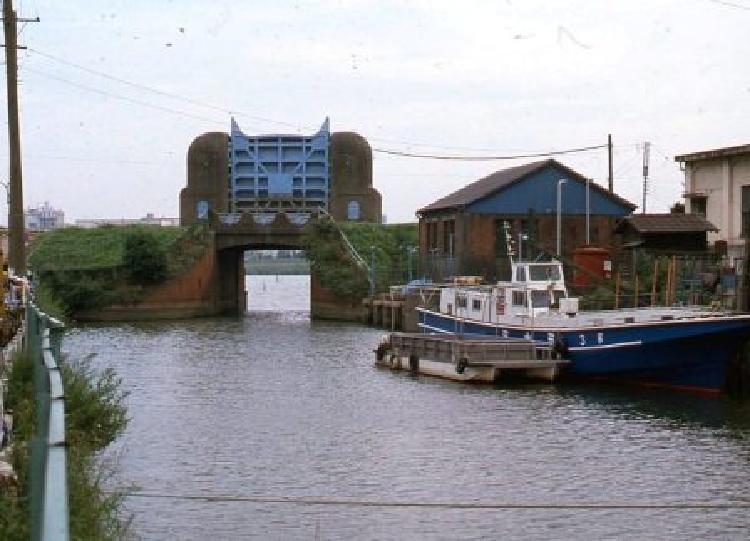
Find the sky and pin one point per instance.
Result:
(113, 92)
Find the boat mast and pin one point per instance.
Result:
(508, 243)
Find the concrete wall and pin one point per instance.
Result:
(215, 285)
(351, 178)
(721, 181)
(326, 305)
(207, 173)
(193, 294)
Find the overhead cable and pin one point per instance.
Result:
(487, 158)
(298, 127)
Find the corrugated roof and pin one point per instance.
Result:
(504, 178)
(667, 223)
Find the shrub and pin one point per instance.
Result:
(145, 257)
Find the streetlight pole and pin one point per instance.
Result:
(588, 212)
(560, 182)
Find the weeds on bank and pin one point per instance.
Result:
(95, 417)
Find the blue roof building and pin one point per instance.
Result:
(465, 231)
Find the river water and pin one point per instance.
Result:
(273, 405)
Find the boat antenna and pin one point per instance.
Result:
(508, 241)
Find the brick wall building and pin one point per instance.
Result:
(464, 232)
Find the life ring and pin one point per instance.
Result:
(461, 365)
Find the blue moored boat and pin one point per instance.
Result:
(684, 347)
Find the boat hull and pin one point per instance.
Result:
(690, 353)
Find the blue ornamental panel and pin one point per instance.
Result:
(278, 173)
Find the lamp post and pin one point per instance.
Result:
(560, 182)
(521, 237)
(588, 212)
(409, 253)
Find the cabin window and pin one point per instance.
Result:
(520, 274)
(540, 273)
(450, 307)
(519, 298)
(556, 296)
(461, 302)
(476, 305)
(539, 299)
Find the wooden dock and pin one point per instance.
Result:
(396, 311)
(464, 358)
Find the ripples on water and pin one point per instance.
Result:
(273, 404)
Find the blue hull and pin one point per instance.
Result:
(690, 353)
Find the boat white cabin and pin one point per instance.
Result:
(535, 289)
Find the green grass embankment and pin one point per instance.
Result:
(82, 269)
(387, 244)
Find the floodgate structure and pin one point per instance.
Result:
(259, 192)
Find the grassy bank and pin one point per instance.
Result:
(79, 269)
(386, 245)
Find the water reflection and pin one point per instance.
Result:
(275, 404)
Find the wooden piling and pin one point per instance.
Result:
(617, 290)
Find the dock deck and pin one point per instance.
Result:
(469, 358)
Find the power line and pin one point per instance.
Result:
(730, 4)
(121, 97)
(154, 90)
(355, 502)
(488, 158)
(229, 111)
(236, 112)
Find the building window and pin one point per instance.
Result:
(432, 236)
(449, 235)
(352, 210)
(698, 205)
(746, 211)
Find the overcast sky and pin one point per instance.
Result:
(440, 77)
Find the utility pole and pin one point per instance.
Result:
(16, 245)
(609, 155)
(646, 152)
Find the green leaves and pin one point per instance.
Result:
(145, 258)
(336, 269)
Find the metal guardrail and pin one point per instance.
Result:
(48, 489)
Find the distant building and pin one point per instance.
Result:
(717, 187)
(149, 219)
(43, 218)
(464, 233)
